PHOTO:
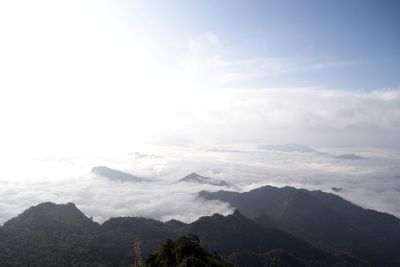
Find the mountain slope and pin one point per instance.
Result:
(48, 216)
(235, 234)
(196, 178)
(61, 235)
(321, 217)
(114, 242)
(349, 156)
(288, 148)
(115, 175)
(48, 235)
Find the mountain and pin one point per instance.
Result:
(48, 217)
(114, 241)
(61, 235)
(288, 148)
(323, 218)
(196, 178)
(348, 156)
(185, 251)
(115, 175)
(337, 189)
(48, 235)
(307, 149)
(235, 235)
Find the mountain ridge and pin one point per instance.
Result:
(321, 217)
(110, 243)
(116, 175)
(196, 178)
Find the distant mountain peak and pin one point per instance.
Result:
(236, 212)
(306, 149)
(349, 156)
(53, 208)
(197, 178)
(288, 148)
(193, 175)
(116, 175)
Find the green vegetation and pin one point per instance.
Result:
(184, 252)
(279, 228)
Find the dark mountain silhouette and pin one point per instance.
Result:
(67, 216)
(196, 178)
(118, 234)
(234, 235)
(321, 217)
(47, 235)
(115, 175)
(60, 235)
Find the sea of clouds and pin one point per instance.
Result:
(371, 182)
(181, 127)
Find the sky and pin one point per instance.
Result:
(83, 74)
(108, 77)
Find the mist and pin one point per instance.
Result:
(371, 182)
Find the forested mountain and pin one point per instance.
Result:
(234, 236)
(321, 217)
(47, 235)
(60, 235)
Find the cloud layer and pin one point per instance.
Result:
(373, 182)
(300, 115)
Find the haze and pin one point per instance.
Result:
(200, 86)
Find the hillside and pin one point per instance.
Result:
(116, 175)
(196, 178)
(321, 217)
(60, 235)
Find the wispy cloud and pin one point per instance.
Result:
(207, 58)
(313, 116)
(209, 62)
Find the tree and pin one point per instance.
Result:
(137, 253)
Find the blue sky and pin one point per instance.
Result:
(335, 44)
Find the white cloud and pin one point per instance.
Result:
(373, 182)
(298, 115)
(205, 65)
(209, 63)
